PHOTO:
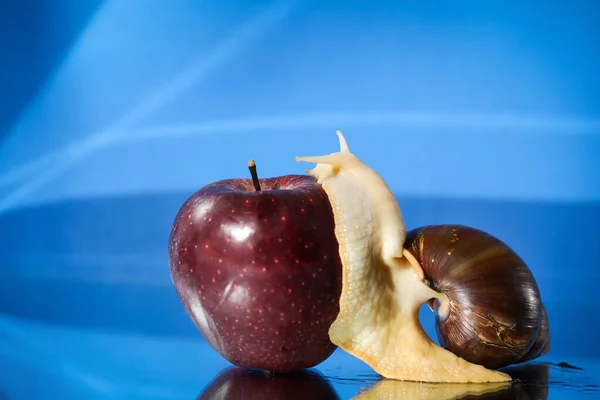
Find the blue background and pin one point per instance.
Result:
(113, 112)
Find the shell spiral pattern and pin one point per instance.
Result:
(494, 314)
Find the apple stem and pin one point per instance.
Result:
(252, 168)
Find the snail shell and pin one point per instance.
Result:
(541, 345)
(494, 314)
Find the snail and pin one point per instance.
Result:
(488, 305)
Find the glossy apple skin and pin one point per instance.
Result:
(238, 383)
(259, 273)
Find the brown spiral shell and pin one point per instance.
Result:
(495, 316)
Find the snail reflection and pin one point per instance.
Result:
(530, 383)
(249, 384)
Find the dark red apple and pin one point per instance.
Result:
(237, 383)
(258, 271)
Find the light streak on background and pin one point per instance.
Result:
(57, 161)
(483, 123)
(505, 148)
(136, 75)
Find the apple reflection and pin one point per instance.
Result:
(531, 383)
(249, 384)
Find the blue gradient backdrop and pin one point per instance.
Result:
(113, 112)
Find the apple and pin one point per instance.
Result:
(255, 263)
(237, 383)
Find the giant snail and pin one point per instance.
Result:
(488, 304)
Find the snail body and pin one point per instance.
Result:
(494, 316)
(385, 281)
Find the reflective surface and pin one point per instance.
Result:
(252, 384)
(110, 324)
(52, 362)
